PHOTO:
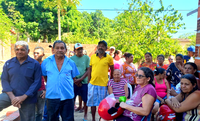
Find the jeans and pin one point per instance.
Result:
(39, 107)
(27, 111)
(56, 106)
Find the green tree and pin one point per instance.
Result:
(191, 36)
(142, 29)
(59, 4)
(5, 26)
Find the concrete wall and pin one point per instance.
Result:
(90, 48)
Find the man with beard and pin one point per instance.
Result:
(60, 73)
(98, 76)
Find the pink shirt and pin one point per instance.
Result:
(136, 100)
(42, 85)
(161, 89)
(118, 87)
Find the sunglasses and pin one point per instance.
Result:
(139, 76)
(170, 59)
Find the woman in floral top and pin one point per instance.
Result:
(148, 62)
(175, 71)
(128, 69)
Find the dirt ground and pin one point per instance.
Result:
(77, 116)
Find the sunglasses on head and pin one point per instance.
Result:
(139, 76)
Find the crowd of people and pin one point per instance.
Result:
(45, 90)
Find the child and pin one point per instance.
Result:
(117, 85)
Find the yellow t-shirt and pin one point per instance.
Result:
(100, 66)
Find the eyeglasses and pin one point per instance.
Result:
(170, 59)
(139, 76)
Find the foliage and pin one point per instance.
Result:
(138, 30)
(191, 36)
(60, 5)
(141, 30)
(5, 26)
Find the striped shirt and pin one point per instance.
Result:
(118, 87)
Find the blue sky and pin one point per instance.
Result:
(184, 7)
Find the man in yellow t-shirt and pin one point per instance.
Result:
(98, 76)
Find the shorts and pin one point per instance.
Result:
(157, 100)
(82, 91)
(96, 94)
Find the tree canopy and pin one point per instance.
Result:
(138, 30)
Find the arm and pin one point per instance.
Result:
(122, 71)
(147, 103)
(33, 87)
(83, 77)
(112, 69)
(198, 83)
(89, 73)
(126, 90)
(85, 74)
(167, 84)
(110, 91)
(191, 102)
(6, 82)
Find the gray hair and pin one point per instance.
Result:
(117, 70)
(22, 43)
(59, 41)
(38, 47)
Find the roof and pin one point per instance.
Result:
(182, 39)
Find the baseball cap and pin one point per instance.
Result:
(112, 47)
(103, 42)
(77, 45)
(191, 48)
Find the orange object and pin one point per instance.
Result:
(9, 112)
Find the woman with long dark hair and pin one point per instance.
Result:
(128, 69)
(187, 102)
(140, 104)
(189, 68)
(148, 62)
(175, 71)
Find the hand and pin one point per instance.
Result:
(17, 101)
(123, 105)
(117, 101)
(180, 67)
(12, 99)
(162, 101)
(77, 80)
(172, 92)
(43, 94)
(79, 84)
(175, 102)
